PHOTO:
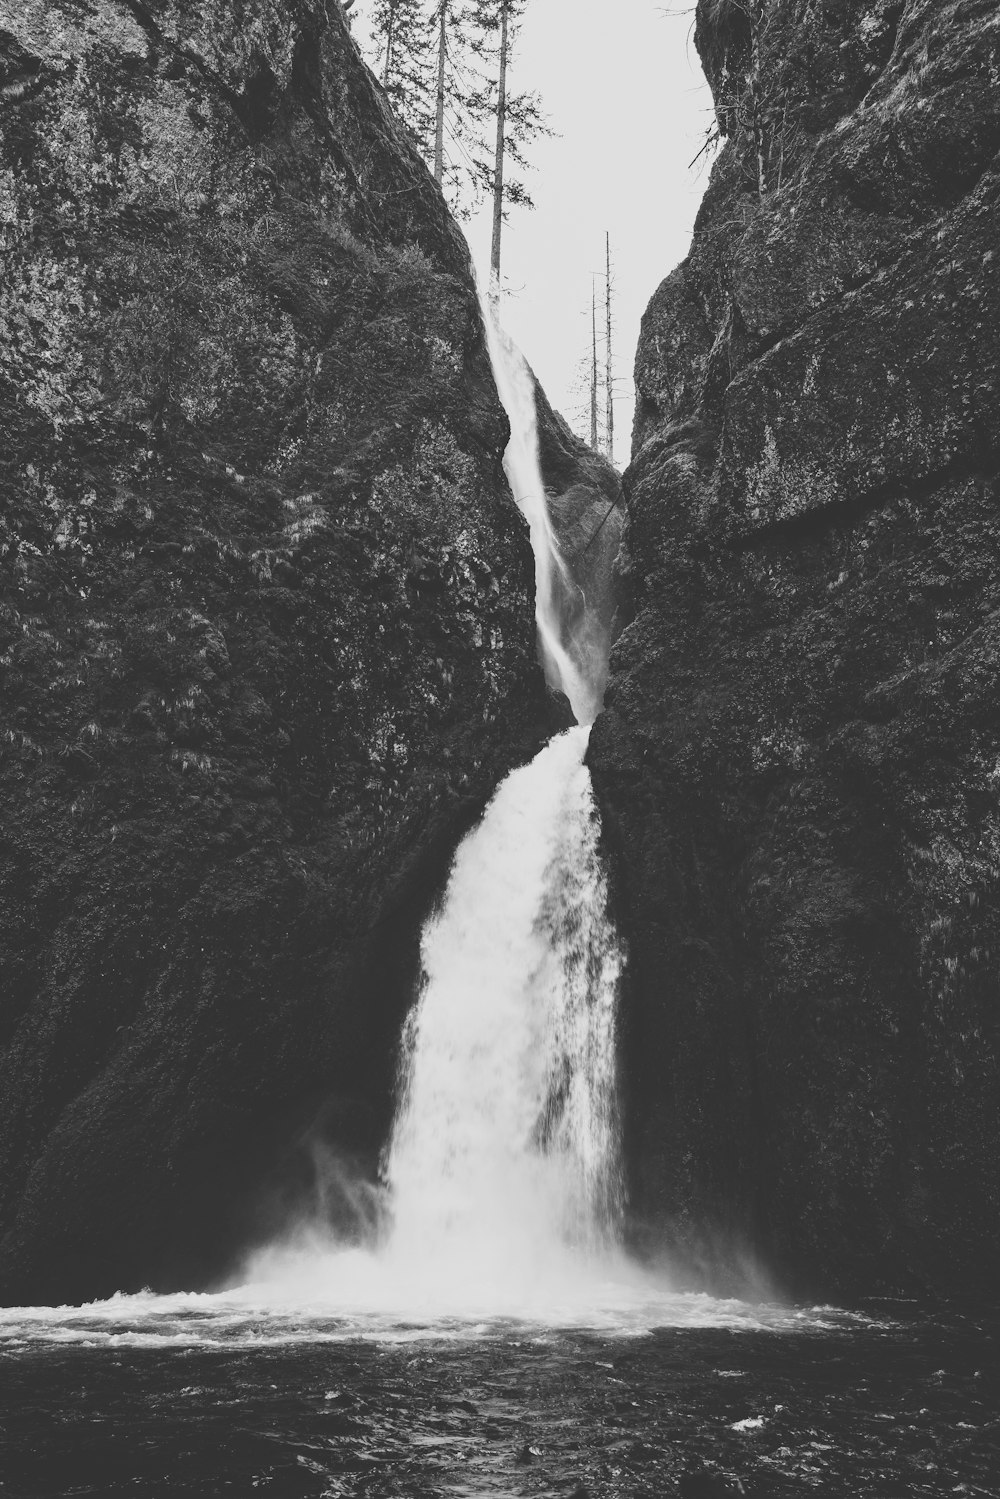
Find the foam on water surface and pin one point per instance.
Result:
(353, 1297)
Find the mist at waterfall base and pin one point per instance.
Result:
(503, 1197)
(503, 1194)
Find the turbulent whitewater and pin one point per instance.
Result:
(503, 1182)
(505, 1152)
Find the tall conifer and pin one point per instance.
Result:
(445, 66)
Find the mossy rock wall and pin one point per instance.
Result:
(798, 767)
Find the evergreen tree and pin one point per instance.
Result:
(513, 119)
(444, 65)
(403, 32)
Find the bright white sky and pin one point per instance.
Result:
(622, 86)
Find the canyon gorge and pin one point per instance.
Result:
(268, 643)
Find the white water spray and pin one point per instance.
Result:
(504, 1160)
(503, 1178)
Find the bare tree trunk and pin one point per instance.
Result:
(501, 142)
(760, 143)
(442, 58)
(609, 379)
(388, 43)
(593, 367)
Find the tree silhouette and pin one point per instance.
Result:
(445, 66)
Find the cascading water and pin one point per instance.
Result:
(505, 1150)
(565, 656)
(503, 1173)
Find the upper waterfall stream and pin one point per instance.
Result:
(565, 651)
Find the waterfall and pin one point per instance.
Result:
(502, 1189)
(502, 1176)
(504, 1156)
(566, 660)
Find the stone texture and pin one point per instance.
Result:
(584, 496)
(799, 765)
(265, 604)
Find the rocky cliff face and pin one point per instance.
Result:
(584, 495)
(266, 612)
(799, 766)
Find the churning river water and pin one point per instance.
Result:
(207, 1396)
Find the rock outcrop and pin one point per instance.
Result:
(266, 613)
(584, 494)
(800, 765)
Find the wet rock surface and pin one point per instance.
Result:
(798, 768)
(584, 492)
(265, 604)
(905, 1407)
